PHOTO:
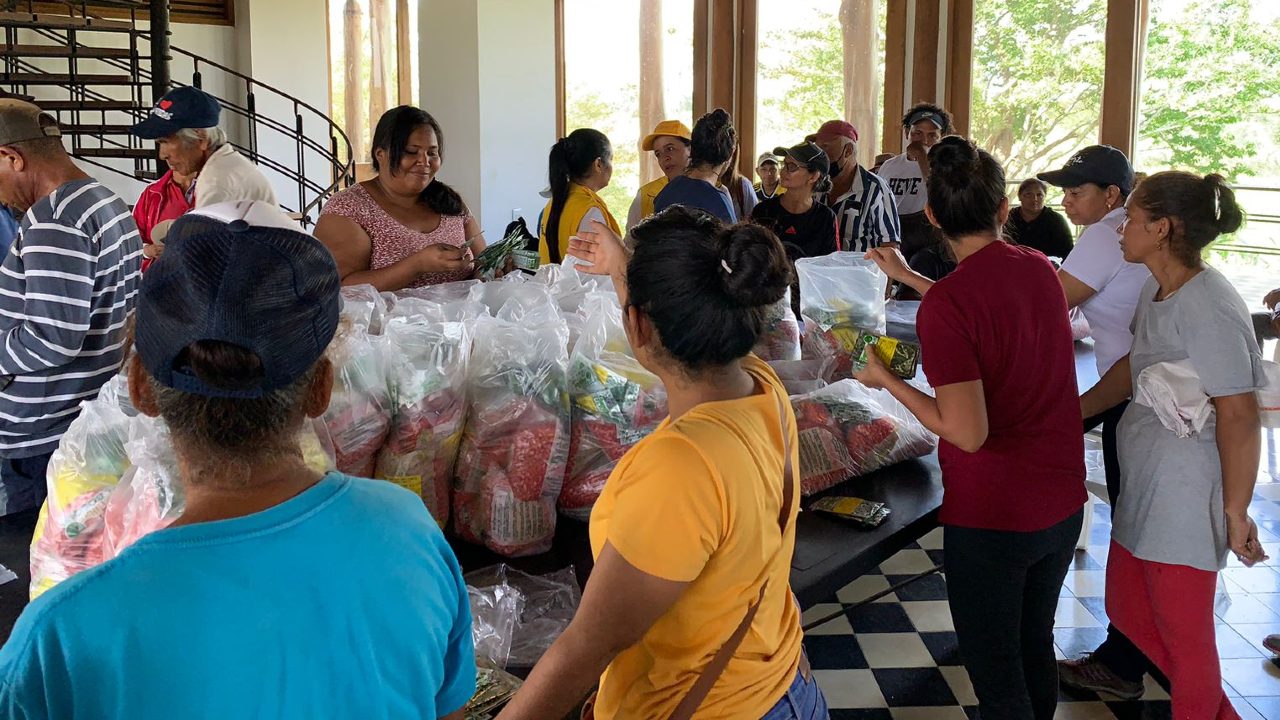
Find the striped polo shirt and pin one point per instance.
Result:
(67, 288)
(867, 217)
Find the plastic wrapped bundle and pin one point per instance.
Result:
(615, 403)
(70, 534)
(781, 337)
(427, 368)
(516, 300)
(511, 464)
(842, 288)
(359, 412)
(365, 307)
(847, 430)
(150, 495)
(442, 293)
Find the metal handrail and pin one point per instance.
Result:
(342, 165)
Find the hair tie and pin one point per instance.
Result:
(725, 264)
(1217, 202)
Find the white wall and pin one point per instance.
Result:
(488, 76)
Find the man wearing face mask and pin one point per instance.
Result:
(866, 213)
(923, 126)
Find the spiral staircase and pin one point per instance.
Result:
(99, 75)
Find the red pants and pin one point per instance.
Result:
(1167, 611)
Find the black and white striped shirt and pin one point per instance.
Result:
(67, 288)
(868, 216)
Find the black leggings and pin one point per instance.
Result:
(1003, 591)
(1117, 652)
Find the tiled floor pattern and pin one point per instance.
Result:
(896, 659)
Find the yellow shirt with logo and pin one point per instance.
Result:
(698, 502)
(581, 200)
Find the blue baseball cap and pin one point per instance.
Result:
(255, 281)
(181, 108)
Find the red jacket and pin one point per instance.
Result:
(161, 200)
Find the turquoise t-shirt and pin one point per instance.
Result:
(343, 602)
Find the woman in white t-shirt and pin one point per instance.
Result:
(1095, 182)
(923, 126)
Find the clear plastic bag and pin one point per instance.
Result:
(442, 293)
(843, 287)
(518, 301)
(150, 496)
(847, 430)
(803, 376)
(359, 413)
(615, 401)
(547, 605)
(511, 465)
(781, 337)
(365, 307)
(427, 369)
(70, 534)
(494, 612)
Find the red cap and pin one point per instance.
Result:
(836, 128)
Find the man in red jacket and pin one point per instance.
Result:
(161, 202)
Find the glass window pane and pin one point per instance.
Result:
(1037, 80)
(604, 68)
(801, 81)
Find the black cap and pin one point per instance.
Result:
(1098, 164)
(807, 154)
(270, 289)
(180, 109)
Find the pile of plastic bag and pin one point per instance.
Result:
(846, 430)
(615, 404)
(516, 617)
(359, 414)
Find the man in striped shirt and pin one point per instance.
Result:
(866, 212)
(67, 287)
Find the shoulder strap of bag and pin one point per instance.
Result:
(714, 669)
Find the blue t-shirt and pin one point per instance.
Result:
(343, 602)
(694, 193)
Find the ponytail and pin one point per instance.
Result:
(570, 159)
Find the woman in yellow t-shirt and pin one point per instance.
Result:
(686, 533)
(579, 166)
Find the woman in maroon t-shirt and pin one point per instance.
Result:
(996, 346)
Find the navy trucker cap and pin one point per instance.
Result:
(181, 108)
(268, 288)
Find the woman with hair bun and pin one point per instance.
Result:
(579, 166)
(710, 152)
(1186, 498)
(997, 348)
(688, 607)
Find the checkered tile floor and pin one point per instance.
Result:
(896, 659)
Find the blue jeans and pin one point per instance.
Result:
(22, 483)
(803, 701)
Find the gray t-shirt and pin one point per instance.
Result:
(1170, 507)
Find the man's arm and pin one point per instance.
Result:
(58, 267)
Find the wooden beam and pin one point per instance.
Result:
(895, 63)
(701, 56)
(560, 92)
(1125, 38)
(861, 100)
(404, 55)
(924, 56)
(959, 97)
(745, 115)
(652, 108)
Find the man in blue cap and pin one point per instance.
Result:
(279, 592)
(184, 125)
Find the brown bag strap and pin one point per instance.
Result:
(714, 669)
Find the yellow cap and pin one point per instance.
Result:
(672, 128)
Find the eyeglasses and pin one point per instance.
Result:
(791, 167)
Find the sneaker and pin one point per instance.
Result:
(1089, 673)
(1272, 643)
